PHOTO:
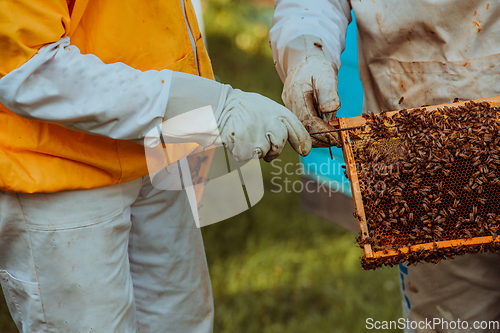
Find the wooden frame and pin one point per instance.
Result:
(358, 200)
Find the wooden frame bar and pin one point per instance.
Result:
(354, 182)
(359, 121)
(358, 200)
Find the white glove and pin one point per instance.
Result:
(310, 88)
(249, 124)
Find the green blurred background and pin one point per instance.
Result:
(276, 268)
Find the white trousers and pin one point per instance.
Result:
(121, 258)
(466, 288)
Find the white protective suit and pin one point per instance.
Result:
(124, 257)
(429, 52)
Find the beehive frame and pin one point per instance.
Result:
(375, 257)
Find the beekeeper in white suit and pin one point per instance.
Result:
(87, 244)
(429, 52)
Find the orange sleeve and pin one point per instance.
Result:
(26, 26)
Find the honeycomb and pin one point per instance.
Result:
(427, 177)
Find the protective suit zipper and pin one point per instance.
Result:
(191, 37)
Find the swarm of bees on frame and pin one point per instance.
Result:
(429, 176)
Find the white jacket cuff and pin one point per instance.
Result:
(326, 19)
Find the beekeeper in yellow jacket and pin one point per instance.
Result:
(411, 53)
(87, 244)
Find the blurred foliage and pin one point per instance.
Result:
(246, 23)
(7, 325)
(276, 268)
(237, 40)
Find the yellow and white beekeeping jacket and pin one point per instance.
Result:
(98, 73)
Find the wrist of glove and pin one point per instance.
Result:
(310, 89)
(253, 124)
(207, 112)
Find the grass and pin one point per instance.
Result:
(6, 323)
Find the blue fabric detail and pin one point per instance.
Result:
(407, 302)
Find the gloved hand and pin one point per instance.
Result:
(310, 88)
(248, 123)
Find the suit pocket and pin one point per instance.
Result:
(416, 83)
(436, 82)
(475, 78)
(24, 302)
(72, 209)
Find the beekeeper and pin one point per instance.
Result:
(411, 53)
(87, 244)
